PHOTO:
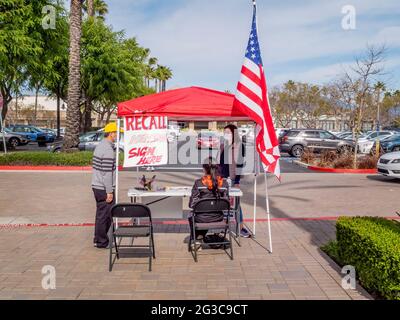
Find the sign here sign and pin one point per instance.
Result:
(145, 141)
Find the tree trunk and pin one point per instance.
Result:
(109, 113)
(58, 114)
(88, 115)
(36, 105)
(90, 8)
(73, 112)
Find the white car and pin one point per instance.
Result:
(389, 164)
(366, 141)
(366, 146)
(373, 135)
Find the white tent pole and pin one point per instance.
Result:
(255, 183)
(268, 213)
(255, 205)
(117, 161)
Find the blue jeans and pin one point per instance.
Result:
(240, 214)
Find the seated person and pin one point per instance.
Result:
(211, 185)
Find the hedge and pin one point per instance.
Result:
(372, 246)
(47, 159)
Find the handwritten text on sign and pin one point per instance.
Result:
(145, 141)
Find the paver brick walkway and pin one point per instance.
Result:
(297, 269)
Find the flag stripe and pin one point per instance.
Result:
(252, 67)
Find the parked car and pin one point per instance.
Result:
(33, 134)
(388, 144)
(87, 142)
(389, 164)
(50, 131)
(12, 139)
(397, 129)
(367, 146)
(208, 139)
(281, 131)
(297, 140)
(246, 134)
(345, 135)
(373, 135)
(173, 131)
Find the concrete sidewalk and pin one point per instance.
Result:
(296, 269)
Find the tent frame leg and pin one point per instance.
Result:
(268, 212)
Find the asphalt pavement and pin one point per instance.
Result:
(185, 157)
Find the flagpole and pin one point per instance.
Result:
(268, 212)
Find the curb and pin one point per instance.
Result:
(332, 170)
(49, 168)
(44, 168)
(168, 222)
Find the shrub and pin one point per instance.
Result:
(308, 156)
(327, 158)
(367, 162)
(372, 246)
(46, 159)
(344, 161)
(333, 159)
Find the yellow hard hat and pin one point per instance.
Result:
(111, 127)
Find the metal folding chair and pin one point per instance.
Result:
(145, 229)
(216, 207)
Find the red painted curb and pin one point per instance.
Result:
(48, 168)
(177, 222)
(332, 170)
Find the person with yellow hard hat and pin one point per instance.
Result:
(103, 184)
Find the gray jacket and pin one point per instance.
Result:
(104, 166)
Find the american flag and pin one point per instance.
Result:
(252, 98)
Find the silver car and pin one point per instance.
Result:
(295, 141)
(13, 140)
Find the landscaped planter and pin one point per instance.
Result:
(334, 170)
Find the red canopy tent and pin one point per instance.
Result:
(193, 103)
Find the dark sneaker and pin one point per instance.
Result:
(98, 246)
(244, 233)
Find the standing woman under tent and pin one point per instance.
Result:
(231, 162)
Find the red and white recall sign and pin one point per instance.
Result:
(145, 141)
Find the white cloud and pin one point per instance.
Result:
(203, 41)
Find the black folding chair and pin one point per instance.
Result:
(145, 229)
(216, 207)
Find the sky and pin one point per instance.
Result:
(204, 41)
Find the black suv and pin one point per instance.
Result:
(296, 140)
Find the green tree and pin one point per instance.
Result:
(20, 42)
(56, 80)
(113, 68)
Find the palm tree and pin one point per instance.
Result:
(379, 88)
(74, 87)
(90, 8)
(149, 72)
(96, 8)
(163, 74)
(167, 74)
